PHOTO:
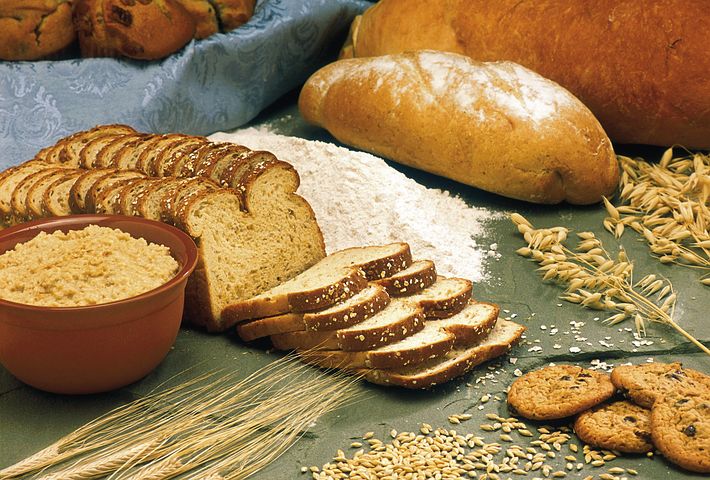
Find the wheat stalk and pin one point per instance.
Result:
(595, 280)
(667, 203)
(201, 425)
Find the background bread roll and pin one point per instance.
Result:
(640, 66)
(495, 126)
(33, 29)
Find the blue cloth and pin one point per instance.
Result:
(213, 84)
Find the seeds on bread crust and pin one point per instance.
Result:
(621, 425)
(680, 428)
(415, 278)
(644, 383)
(558, 391)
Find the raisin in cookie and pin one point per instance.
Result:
(620, 425)
(645, 382)
(558, 391)
(680, 428)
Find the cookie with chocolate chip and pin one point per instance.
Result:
(558, 391)
(644, 383)
(621, 425)
(680, 428)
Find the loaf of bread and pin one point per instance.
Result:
(496, 126)
(253, 232)
(641, 67)
(34, 29)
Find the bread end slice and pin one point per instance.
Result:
(456, 363)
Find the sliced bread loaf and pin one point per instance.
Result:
(455, 363)
(438, 337)
(245, 253)
(395, 322)
(127, 157)
(150, 155)
(418, 276)
(364, 304)
(333, 279)
(107, 155)
(167, 162)
(130, 195)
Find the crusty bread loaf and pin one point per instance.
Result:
(495, 126)
(641, 67)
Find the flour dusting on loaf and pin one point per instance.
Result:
(497, 126)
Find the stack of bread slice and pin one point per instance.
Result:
(373, 311)
(253, 231)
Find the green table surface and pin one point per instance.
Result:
(31, 419)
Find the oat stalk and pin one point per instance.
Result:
(596, 280)
(667, 203)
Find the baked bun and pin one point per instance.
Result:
(233, 13)
(34, 29)
(140, 29)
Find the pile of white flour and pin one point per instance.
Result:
(360, 200)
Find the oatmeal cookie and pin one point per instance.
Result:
(680, 428)
(645, 382)
(558, 391)
(619, 425)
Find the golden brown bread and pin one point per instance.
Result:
(233, 13)
(495, 126)
(145, 29)
(33, 29)
(641, 67)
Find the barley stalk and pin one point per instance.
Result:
(595, 280)
(668, 204)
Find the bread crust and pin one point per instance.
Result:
(637, 78)
(495, 126)
(35, 30)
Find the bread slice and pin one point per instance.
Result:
(166, 162)
(109, 200)
(9, 180)
(70, 154)
(333, 279)
(445, 297)
(455, 363)
(150, 155)
(418, 276)
(243, 253)
(18, 200)
(438, 337)
(131, 195)
(218, 159)
(88, 156)
(150, 202)
(232, 174)
(55, 201)
(82, 185)
(361, 306)
(126, 158)
(175, 201)
(395, 322)
(210, 153)
(236, 155)
(107, 155)
(106, 181)
(35, 195)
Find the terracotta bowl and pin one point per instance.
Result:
(95, 348)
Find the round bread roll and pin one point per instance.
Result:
(144, 30)
(497, 126)
(34, 29)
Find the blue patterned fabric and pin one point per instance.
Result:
(218, 83)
